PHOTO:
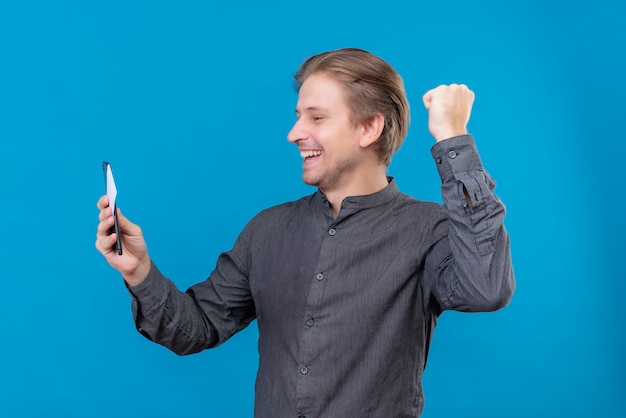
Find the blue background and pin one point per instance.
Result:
(191, 101)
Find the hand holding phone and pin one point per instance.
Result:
(111, 191)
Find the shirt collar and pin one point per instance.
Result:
(366, 201)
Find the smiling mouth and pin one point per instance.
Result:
(310, 154)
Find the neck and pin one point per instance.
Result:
(363, 184)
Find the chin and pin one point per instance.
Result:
(310, 181)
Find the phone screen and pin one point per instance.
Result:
(111, 191)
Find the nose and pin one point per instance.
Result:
(296, 133)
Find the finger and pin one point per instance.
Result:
(464, 90)
(427, 98)
(105, 226)
(105, 213)
(105, 243)
(471, 94)
(103, 202)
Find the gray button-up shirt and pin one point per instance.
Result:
(345, 306)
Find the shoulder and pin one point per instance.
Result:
(412, 214)
(405, 204)
(286, 208)
(281, 214)
(409, 204)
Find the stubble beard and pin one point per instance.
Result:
(331, 177)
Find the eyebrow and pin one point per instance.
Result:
(312, 109)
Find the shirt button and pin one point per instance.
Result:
(452, 154)
(319, 276)
(438, 160)
(332, 231)
(310, 322)
(324, 200)
(304, 370)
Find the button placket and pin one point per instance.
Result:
(309, 339)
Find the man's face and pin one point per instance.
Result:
(324, 133)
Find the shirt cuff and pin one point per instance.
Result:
(456, 155)
(151, 291)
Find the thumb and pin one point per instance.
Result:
(126, 225)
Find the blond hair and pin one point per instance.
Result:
(371, 86)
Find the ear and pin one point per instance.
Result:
(372, 128)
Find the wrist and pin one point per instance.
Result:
(139, 274)
(449, 133)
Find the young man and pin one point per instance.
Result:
(346, 284)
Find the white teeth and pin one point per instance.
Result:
(306, 154)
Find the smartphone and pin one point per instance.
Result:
(111, 191)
